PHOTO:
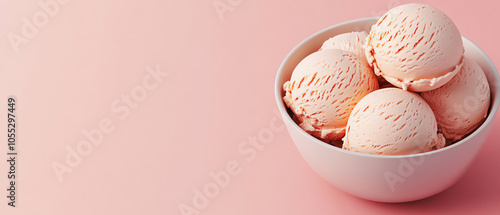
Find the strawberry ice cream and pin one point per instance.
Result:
(352, 42)
(462, 104)
(324, 88)
(392, 121)
(415, 47)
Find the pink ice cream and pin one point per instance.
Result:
(415, 47)
(461, 105)
(324, 88)
(352, 42)
(392, 121)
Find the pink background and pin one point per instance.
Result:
(217, 97)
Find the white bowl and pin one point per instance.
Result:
(385, 178)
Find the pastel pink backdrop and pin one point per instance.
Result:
(217, 96)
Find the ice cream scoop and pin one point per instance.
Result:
(324, 88)
(392, 121)
(415, 47)
(461, 105)
(352, 42)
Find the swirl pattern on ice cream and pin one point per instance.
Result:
(415, 47)
(392, 121)
(324, 88)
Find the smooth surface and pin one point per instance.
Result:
(353, 42)
(218, 96)
(386, 178)
(455, 117)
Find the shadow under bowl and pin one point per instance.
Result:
(383, 178)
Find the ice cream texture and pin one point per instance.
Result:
(415, 47)
(324, 88)
(392, 121)
(353, 42)
(461, 105)
(405, 87)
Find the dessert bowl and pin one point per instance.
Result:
(384, 178)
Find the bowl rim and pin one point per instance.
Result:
(282, 109)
